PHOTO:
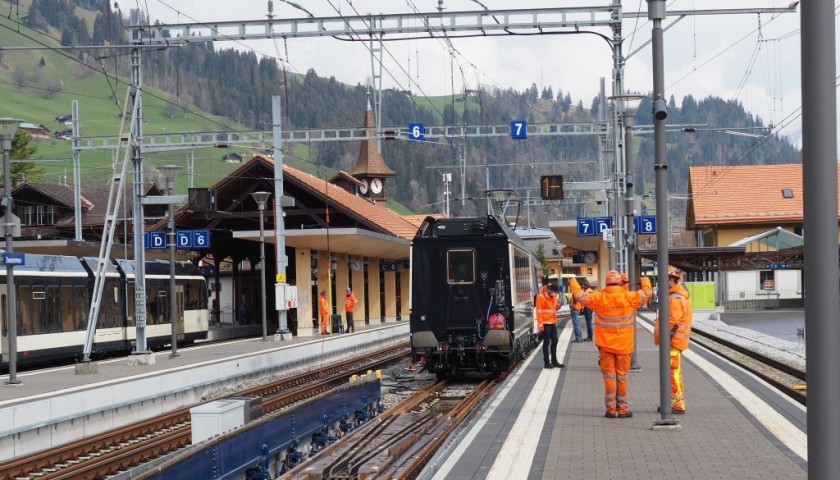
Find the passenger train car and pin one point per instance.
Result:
(53, 295)
(473, 284)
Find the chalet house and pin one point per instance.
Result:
(46, 210)
(232, 157)
(755, 207)
(36, 131)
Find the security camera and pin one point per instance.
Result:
(660, 109)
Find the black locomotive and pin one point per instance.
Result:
(473, 284)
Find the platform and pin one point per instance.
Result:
(550, 424)
(55, 406)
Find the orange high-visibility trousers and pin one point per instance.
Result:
(614, 367)
(677, 387)
(324, 324)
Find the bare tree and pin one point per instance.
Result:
(54, 86)
(20, 79)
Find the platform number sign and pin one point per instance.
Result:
(585, 227)
(192, 239)
(416, 131)
(645, 225)
(155, 240)
(593, 226)
(602, 224)
(518, 129)
(551, 187)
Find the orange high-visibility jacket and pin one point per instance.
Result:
(680, 316)
(574, 289)
(546, 308)
(615, 309)
(323, 307)
(349, 302)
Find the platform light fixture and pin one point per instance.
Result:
(261, 198)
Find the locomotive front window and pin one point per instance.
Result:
(460, 266)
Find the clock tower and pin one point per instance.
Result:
(370, 168)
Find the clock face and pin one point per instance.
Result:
(356, 265)
(363, 188)
(589, 258)
(376, 185)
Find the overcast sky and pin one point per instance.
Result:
(749, 58)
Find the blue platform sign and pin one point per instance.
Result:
(585, 227)
(593, 226)
(183, 239)
(518, 129)
(416, 131)
(601, 224)
(201, 239)
(156, 240)
(645, 225)
(14, 259)
(387, 266)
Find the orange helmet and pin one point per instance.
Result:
(613, 278)
(625, 278)
(674, 272)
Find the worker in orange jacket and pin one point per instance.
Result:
(324, 312)
(679, 323)
(574, 307)
(615, 309)
(349, 305)
(625, 281)
(547, 305)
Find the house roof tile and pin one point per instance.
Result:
(745, 194)
(375, 214)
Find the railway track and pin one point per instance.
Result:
(399, 443)
(117, 450)
(784, 377)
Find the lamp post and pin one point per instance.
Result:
(8, 127)
(261, 198)
(627, 105)
(169, 172)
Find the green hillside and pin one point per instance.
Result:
(38, 85)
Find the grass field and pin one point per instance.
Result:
(39, 85)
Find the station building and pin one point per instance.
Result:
(338, 234)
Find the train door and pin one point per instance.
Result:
(4, 340)
(179, 313)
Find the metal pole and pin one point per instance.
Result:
(819, 176)
(262, 272)
(77, 171)
(629, 210)
(169, 173)
(656, 13)
(279, 225)
(11, 305)
(139, 222)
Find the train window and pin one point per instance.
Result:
(82, 299)
(69, 307)
(460, 266)
(52, 309)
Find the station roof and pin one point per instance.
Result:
(325, 216)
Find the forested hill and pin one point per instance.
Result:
(239, 86)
